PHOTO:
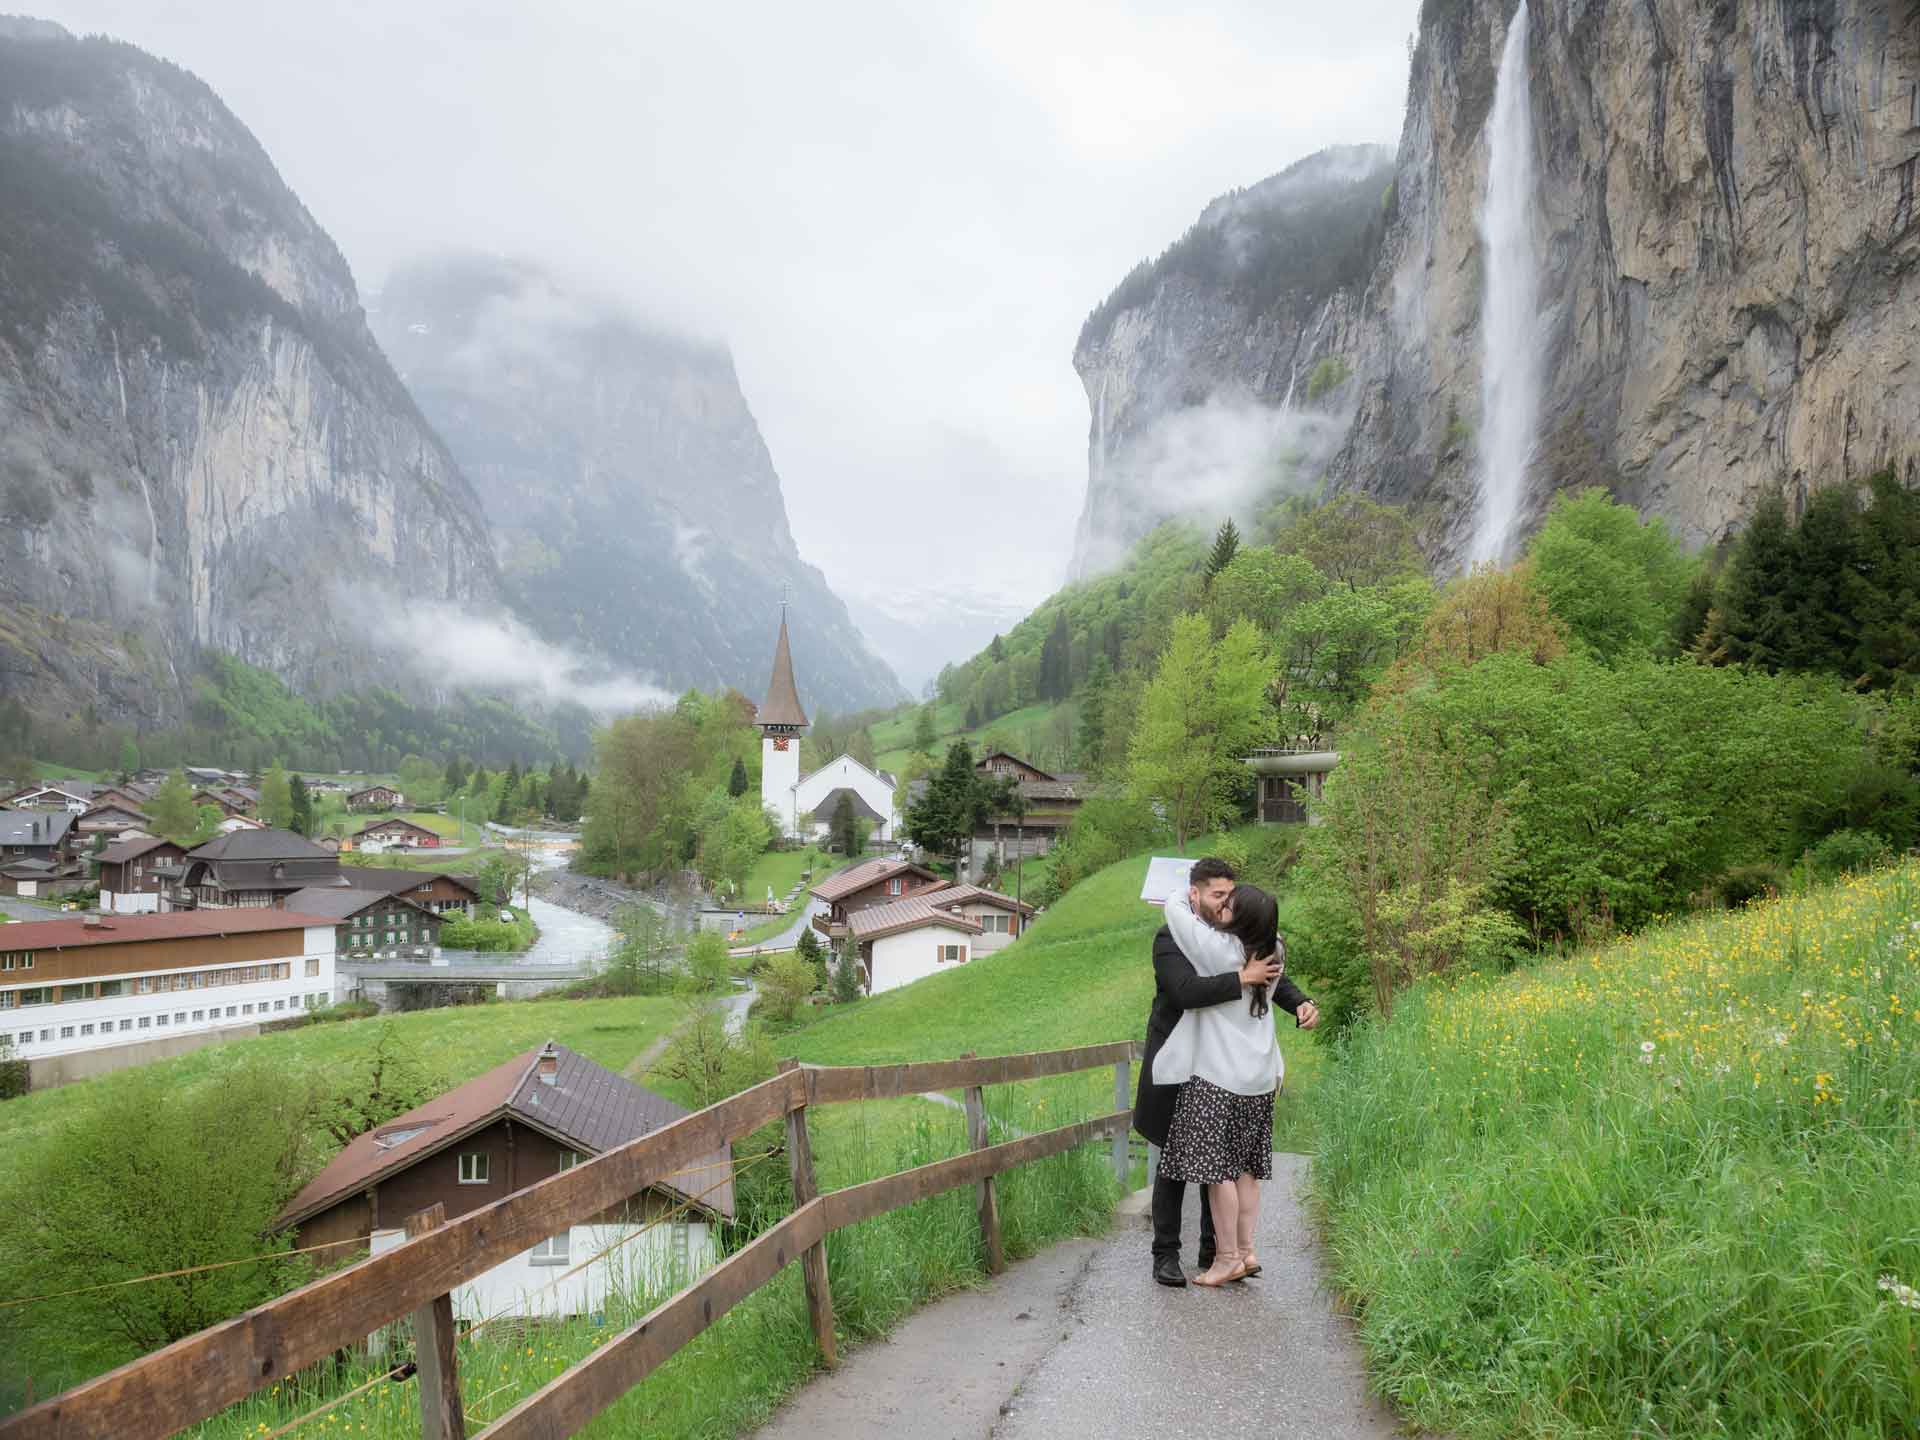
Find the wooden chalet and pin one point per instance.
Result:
(136, 874)
(375, 797)
(438, 893)
(394, 833)
(251, 868)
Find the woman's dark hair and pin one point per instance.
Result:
(1256, 925)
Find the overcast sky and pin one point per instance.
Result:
(896, 214)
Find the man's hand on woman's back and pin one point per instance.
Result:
(1263, 971)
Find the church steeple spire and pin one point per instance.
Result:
(780, 711)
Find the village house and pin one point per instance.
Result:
(38, 856)
(372, 924)
(95, 981)
(873, 882)
(111, 819)
(907, 940)
(1001, 918)
(439, 893)
(250, 868)
(1048, 804)
(538, 1114)
(75, 796)
(375, 797)
(130, 796)
(394, 833)
(135, 873)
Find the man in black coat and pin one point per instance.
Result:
(1178, 988)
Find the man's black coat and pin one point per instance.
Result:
(1176, 987)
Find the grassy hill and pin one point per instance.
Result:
(1023, 730)
(1082, 975)
(1666, 1187)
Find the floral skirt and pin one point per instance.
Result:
(1217, 1136)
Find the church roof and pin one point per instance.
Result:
(782, 703)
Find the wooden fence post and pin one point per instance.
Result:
(1122, 1100)
(989, 1203)
(813, 1260)
(441, 1415)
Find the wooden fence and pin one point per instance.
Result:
(160, 1394)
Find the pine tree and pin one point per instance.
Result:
(302, 806)
(1226, 544)
(737, 781)
(996, 651)
(841, 828)
(972, 722)
(923, 731)
(956, 803)
(846, 974)
(1056, 660)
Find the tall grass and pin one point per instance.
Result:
(1652, 1190)
(735, 1374)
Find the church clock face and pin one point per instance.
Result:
(779, 742)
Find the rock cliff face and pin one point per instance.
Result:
(637, 510)
(1725, 213)
(1198, 367)
(201, 446)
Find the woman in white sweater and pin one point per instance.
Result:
(1226, 1059)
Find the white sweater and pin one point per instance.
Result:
(1223, 1044)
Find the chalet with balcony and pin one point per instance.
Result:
(871, 883)
(538, 1114)
(111, 819)
(74, 796)
(251, 869)
(1047, 804)
(375, 797)
(1001, 918)
(372, 924)
(136, 874)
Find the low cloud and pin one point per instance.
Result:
(450, 647)
(1229, 456)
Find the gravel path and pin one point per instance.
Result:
(1079, 1341)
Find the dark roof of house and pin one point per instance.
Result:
(27, 869)
(782, 704)
(173, 925)
(993, 755)
(373, 790)
(950, 895)
(838, 887)
(825, 809)
(1049, 790)
(126, 850)
(35, 827)
(114, 807)
(393, 881)
(250, 844)
(340, 904)
(588, 1107)
(911, 913)
(77, 789)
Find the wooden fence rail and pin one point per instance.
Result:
(161, 1393)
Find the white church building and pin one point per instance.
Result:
(806, 803)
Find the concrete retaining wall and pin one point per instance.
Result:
(51, 1071)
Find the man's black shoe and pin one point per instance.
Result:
(1166, 1269)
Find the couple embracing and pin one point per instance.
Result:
(1212, 1066)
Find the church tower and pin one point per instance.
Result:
(781, 722)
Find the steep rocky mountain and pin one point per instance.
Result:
(1723, 215)
(637, 510)
(1198, 367)
(202, 449)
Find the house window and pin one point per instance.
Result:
(556, 1250)
(569, 1159)
(145, 987)
(66, 1032)
(160, 1020)
(473, 1168)
(126, 1024)
(26, 1037)
(36, 996)
(313, 965)
(279, 1004)
(199, 1016)
(112, 988)
(179, 1017)
(246, 1009)
(953, 953)
(232, 1010)
(893, 886)
(86, 1029)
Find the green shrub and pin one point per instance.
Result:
(1846, 852)
(1329, 375)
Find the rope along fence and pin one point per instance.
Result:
(194, 1378)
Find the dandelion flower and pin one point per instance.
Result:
(1646, 1047)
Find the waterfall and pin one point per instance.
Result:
(1510, 306)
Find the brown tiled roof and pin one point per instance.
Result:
(589, 1107)
(173, 925)
(836, 887)
(782, 704)
(260, 845)
(911, 913)
(389, 823)
(979, 895)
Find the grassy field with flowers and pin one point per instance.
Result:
(1670, 1187)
